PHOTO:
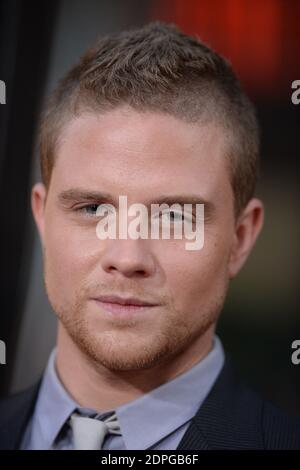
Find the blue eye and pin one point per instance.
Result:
(92, 210)
(174, 216)
(89, 209)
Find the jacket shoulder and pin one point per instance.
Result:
(235, 417)
(280, 431)
(15, 412)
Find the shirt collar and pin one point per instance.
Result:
(155, 415)
(145, 420)
(53, 408)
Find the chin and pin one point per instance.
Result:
(124, 352)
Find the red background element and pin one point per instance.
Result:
(260, 37)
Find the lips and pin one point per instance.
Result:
(124, 301)
(124, 307)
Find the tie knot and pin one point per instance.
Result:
(89, 433)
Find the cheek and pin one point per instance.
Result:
(68, 252)
(195, 278)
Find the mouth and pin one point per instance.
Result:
(124, 307)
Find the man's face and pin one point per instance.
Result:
(145, 156)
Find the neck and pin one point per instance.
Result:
(94, 386)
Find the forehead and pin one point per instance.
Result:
(130, 152)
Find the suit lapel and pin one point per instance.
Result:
(229, 418)
(15, 414)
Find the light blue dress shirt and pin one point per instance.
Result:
(157, 420)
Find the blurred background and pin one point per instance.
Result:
(39, 41)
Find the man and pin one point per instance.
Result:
(158, 117)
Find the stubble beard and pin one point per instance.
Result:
(121, 347)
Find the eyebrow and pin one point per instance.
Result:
(80, 195)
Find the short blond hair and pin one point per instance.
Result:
(159, 68)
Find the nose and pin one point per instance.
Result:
(130, 258)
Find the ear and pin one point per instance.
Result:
(38, 201)
(247, 229)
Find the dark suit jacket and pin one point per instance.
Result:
(231, 417)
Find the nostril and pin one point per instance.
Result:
(112, 268)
